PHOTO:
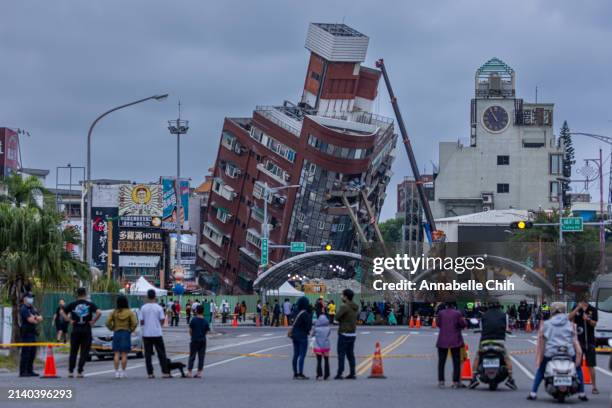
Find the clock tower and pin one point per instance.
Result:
(513, 159)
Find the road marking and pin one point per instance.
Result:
(389, 332)
(225, 346)
(414, 332)
(533, 342)
(267, 334)
(366, 332)
(243, 335)
(512, 335)
(364, 365)
(522, 367)
(604, 371)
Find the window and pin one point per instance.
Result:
(321, 225)
(228, 140)
(258, 191)
(253, 238)
(556, 164)
(554, 191)
(274, 169)
(503, 160)
(223, 215)
(315, 76)
(503, 188)
(232, 170)
(273, 144)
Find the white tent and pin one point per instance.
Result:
(523, 288)
(286, 289)
(142, 286)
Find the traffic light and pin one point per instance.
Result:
(521, 225)
(326, 247)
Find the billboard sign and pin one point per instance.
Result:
(140, 205)
(100, 236)
(105, 195)
(141, 241)
(188, 249)
(170, 200)
(9, 152)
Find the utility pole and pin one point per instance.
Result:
(178, 127)
(602, 229)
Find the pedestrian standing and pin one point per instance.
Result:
(151, 319)
(122, 322)
(61, 325)
(243, 310)
(347, 334)
(225, 309)
(450, 323)
(198, 328)
(265, 313)
(188, 311)
(177, 312)
(82, 314)
(170, 312)
(299, 335)
(29, 318)
(287, 310)
(276, 311)
(331, 311)
(322, 345)
(585, 317)
(259, 308)
(213, 311)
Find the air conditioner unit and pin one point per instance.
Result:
(486, 208)
(487, 198)
(287, 176)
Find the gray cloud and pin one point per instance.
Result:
(64, 62)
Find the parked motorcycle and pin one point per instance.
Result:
(560, 376)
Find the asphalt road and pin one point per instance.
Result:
(251, 367)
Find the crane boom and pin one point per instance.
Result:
(413, 163)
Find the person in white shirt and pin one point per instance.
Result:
(213, 310)
(151, 319)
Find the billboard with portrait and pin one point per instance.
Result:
(140, 205)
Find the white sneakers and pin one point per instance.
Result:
(120, 374)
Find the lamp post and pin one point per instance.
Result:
(178, 127)
(87, 226)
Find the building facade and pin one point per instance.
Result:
(318, 155)
(513, 160)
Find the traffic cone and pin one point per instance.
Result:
(285, 323)
(418, 322)
(377, 364)
(586, 375)
(466, 369)
(411, 323)
(257, 321)
(235, 321)
(50, 370)
(434, 324)
(166, 321)
(528, 327)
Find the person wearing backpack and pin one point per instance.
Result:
(299, 335)
(122, 322)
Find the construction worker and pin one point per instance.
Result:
(494, 324)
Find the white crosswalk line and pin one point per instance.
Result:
(389, 332)
(604, 371)
(243, 335)
(366, 332)
(267, 334)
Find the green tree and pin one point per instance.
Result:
(23, 191)
(33, 253)
(565, 141)
(391, 230)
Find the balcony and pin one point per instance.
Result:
(281, 180)
(223, 189)
(280, 117)
(209, 256)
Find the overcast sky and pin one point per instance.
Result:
(64, 62)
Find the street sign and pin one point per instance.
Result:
(571, 224)
(298, 247)
(264, 251)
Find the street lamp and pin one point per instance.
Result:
(87, 226)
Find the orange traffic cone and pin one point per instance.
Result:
(434, 324)
(257, 321)
(586, 375)
(411, 323)
(418, 322)
(285, 322)
(528, 327)
(50, 370)
(466, 369)
(235, 321)
(377, 364)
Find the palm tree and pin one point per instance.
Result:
(23, 191)
(33, 253)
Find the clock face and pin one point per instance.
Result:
(495, 119)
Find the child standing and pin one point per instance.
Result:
(198, 328)
(322, 345)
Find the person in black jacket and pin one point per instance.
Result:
(299, 334)
(494, 324)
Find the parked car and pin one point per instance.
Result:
(102, 338)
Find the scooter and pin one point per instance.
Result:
(560, 376)
(492, 368)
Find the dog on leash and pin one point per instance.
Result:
(175, 365)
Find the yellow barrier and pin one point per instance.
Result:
(35, 344)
